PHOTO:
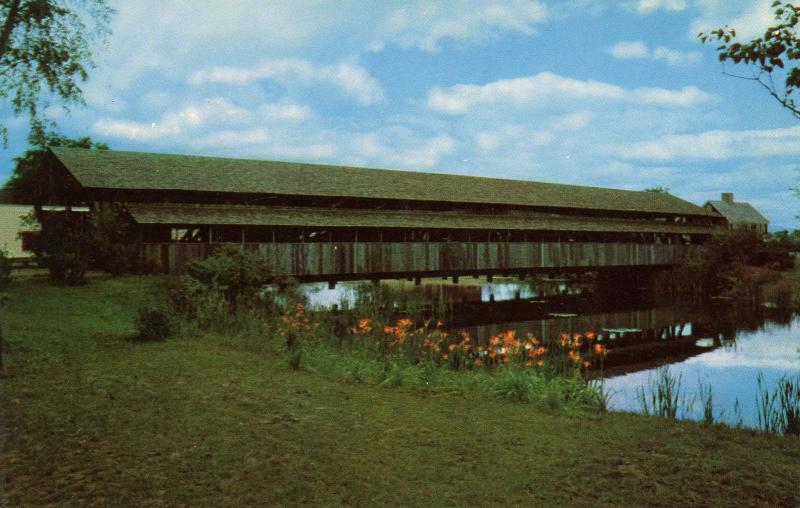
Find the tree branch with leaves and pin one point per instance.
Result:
(45, 51)
(774, 57)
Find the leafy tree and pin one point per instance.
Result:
(45, 50)
(775, 57)
(657, 190)
(67, 242)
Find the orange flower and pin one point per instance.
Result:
(540, 363)
(404, 323)
(529, 363)
(599, 348)
(478, 362)
(444, 356)
(590, 335)
(452, 347)
(364, 324)
(388, 330)
(439, 324)
(586, 364)
(492, 354)
(572, 355)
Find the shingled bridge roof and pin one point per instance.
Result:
(111, 169)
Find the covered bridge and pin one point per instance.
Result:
(322, 222)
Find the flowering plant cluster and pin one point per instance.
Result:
(459, 350)
(297, 324)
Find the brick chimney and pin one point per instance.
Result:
(727, 197)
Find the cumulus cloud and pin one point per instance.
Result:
(651, 6)
(546, 86)
(424, 25)
(749, 17)
(214, 111)
(423, 154)
(638, 50)
(714, 145)
(351, 78)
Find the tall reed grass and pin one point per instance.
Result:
(778, 410)
(662, 396)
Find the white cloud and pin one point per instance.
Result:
(544, 87)
(351, 78)
(424, 25)
(650, 6)
(210, 113)
(714, 145)
(639, 50)
(573, 121)
(425, 154)
(629, 49)
(749, 17)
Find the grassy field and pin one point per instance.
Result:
(90, 417)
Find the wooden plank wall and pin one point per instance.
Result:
(353, 259)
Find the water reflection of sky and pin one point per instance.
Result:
(320, 296)
(731, 371)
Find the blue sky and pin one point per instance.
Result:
(616, 94)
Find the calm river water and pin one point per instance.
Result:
(715, 347)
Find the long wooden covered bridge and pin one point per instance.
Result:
(320, 222)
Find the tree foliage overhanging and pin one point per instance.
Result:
(45, 51)
(774, 57)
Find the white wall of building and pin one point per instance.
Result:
(10, 227)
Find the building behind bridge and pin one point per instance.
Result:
(321, 222)
(738, 214)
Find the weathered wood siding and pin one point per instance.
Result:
(317, 260)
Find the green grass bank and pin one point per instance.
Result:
(91, 417)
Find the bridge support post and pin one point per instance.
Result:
(455, 279)
(489, 278)
(331, 284)
(417, 281)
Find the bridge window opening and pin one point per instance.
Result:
(258, 235)
(156, 234)
(226, 234)
(393, 235)
(187, 235)
(344, 235)
(289, 235)
(369, 235)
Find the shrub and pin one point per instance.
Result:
(5, 270)
(114, 246)
(238, 274)
(64, 246)
(230, 290)
(155, 323)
